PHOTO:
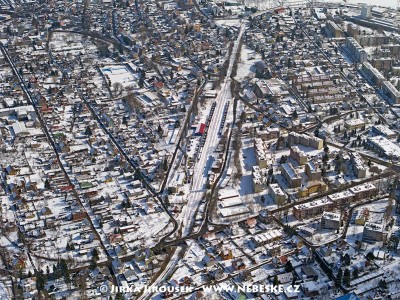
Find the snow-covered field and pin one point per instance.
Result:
(119, 74)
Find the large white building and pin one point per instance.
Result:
(277, 194)
(291, 175)
(359, 168)
(356, 50)
(313, 208)
(390, 90)
(374, 232)
(372, 73)
(295, 138)
(383, 147)
(330, 220)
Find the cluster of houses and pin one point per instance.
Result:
(90, 120)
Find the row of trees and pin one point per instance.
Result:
(345, 277)
(60, 270)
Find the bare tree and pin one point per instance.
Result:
(133, 101)
(237, 144)
(80, 283)
(388, 210)
(117, 87)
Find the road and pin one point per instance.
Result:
(199, 179)
(169, 269)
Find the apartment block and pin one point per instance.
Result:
(268, 133)
(354, 124)
(383, 131)
(356, 193)
(383, 147)
(359, 168)
(333, 29)
(341, 199)
(374, 232)
(372, 73)
(356, 50)
(262, 158)
(277, 194)
(330, 220)
(312, 209)
(291, 175)
(258, 179)
(312, 171)
(298, 155)
(305, 140)
(352, 30)
(390, 90)
(382, 63)
(364, 191)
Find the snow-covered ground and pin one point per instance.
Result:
(5, 293)
(119, 74)
(246, 67)
(229, 22)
